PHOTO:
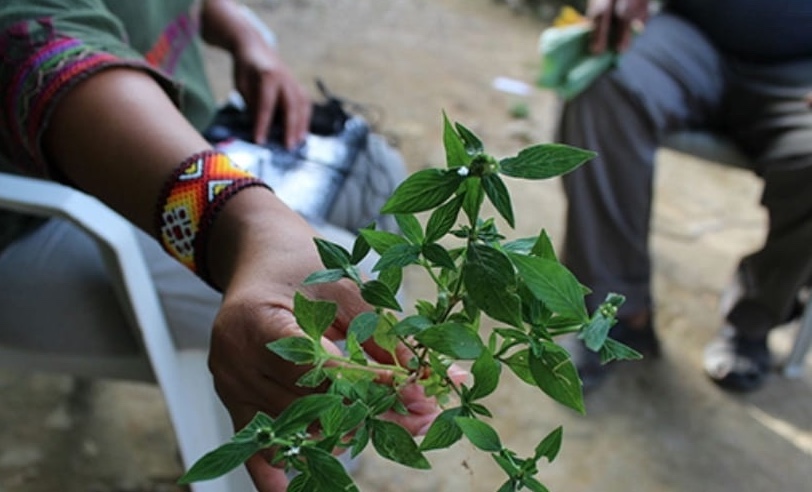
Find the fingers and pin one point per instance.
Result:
(264, 110)
(266, 478)
(286, 97)
(297, 116)
(600, 35)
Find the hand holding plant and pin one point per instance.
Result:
(519, 284)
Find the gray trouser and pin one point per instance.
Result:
(672, 78)
(57, 296)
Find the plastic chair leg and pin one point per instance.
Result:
(794, 366)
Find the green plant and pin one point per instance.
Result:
(518, 284)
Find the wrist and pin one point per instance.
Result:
(254, 239)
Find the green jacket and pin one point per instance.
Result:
(48, 46)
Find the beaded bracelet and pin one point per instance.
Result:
(190, 201)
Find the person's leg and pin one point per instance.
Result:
(670, 78)
(768, 117)
(58, 296)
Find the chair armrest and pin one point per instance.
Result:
(122, 255)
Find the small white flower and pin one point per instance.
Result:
(462, 171)
(293, 451)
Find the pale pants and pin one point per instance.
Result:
(672, 78)
(54, 277)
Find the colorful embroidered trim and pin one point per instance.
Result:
(177, 36)
(38, 66)
(191, 200)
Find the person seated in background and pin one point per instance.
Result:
(111, 97)
(739, 67)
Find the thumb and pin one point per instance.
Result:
(266, 478)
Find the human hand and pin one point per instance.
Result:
(270, 90)
(257, 309)
(616, 21)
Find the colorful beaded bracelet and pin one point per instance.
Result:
(190, 201)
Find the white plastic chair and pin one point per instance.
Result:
(199, 419)
(715, 148)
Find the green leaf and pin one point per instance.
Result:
(556, 375)
(550, 445)
(332, 255)
(314, 317)
(498, 194)
(480, 434)
(534, 311)
(410, 227)
(443, 432)
(454, 339)
(360, 248)
(472, 143)
(544, 247)
(594, 334)
(363, 325)
(393, 442)
(439, 256)
(303, 411)
(398, 256)
(302, 482)
(359, 441)
(544, 161)
(326, 472)
(443, 219)
(486, 376)
(391, 277)
(379, 294)
(521, 246)
(312, 378)
(614, 350)
(381, 241)
(553, 284)
(261, 422)
(491, 282)
(534, 485)
(325, 276)
(510, 468)
(299, 350)
(354, 350)
(385, 336)
(473, 196)
(455, 154)
(423, 190)
(479, 409)
(519, 363)
(510, 485)
(411, 325)
(220, 461)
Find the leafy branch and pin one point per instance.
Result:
(519, 284)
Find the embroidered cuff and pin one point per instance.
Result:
(190, 201)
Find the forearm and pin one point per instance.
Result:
(224, 25)
(118, 137)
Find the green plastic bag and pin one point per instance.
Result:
(567, 66)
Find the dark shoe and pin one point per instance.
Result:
(736, 363)
(588, 363)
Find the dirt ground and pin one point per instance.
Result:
(656, 426)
